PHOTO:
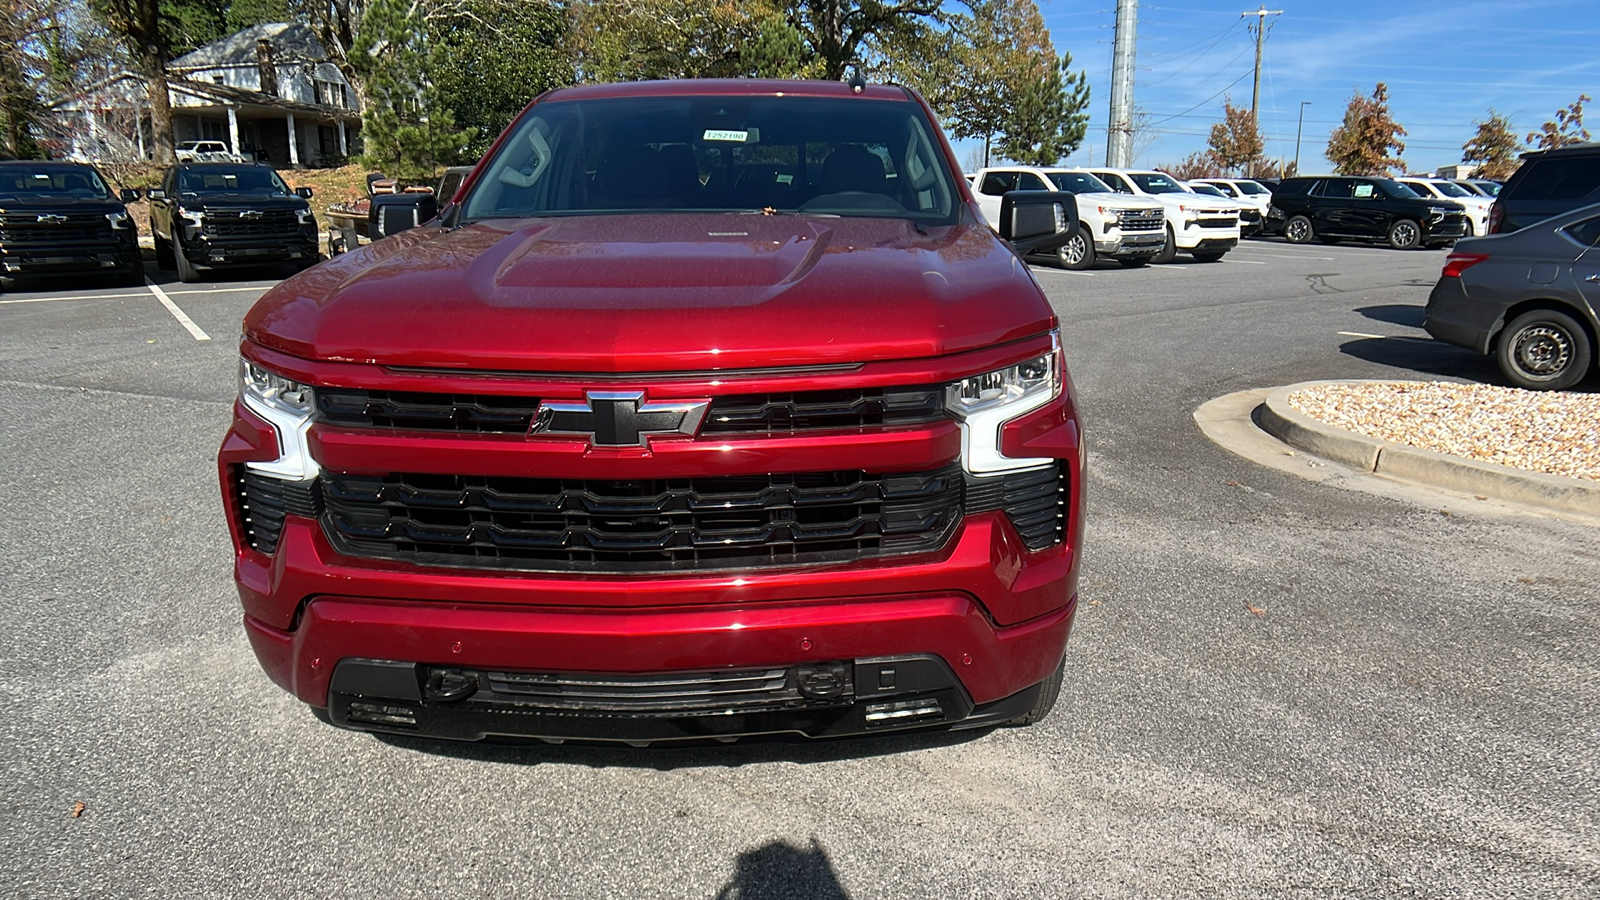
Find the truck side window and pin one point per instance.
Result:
(1586, 232)
(1031, 182)
(997, 183)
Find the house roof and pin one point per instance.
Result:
(222, 94)
(291, 41)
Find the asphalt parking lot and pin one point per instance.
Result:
(1275, 687)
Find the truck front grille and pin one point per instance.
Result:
(593, 525)
(757, 414)
(27, 229)
(224, 223)
(1142, 219)
(263, 501)
(1229, 221)
(668, 693)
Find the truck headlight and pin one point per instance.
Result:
(983, 403)
(306, 218)
(120, 219)
(289, 407)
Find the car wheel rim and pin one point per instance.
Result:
(1072, 251)
(1297, 230)
(1543, 350)
(1405, 235)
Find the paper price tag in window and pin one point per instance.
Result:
(734, 137)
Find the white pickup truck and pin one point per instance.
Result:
(1204, 227)
(1113, 226)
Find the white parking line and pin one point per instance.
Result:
(131, 295)
(1244, 262)
(1285, 255)
(1067, 272)
(177, 313)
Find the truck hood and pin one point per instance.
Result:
(656, 293)
(1193, 201)
(1112, 200)
(60, 205)
(272, 202)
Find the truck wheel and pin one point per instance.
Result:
(1169, 252)
(1543, 350)
(164, 258)
(1298, 230)
(1049, 691)
(1209, 256)
(1077, 252)
(187, 273)
(1405, 235)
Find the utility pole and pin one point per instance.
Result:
(1297, 129)
(1261, 34)
(1119, 134)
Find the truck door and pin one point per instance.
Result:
(1586, 268)
(992, 184)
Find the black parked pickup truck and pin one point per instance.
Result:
(62, 218)
(206, 215)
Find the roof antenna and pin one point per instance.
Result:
(856, 82)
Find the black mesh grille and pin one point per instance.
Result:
(264, 501)
(27, 229)
(778, 413)
(674, 693)
(229, 224)
(593, 525)
(1035, 500)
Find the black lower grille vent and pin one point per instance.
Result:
(264, 501)
(663, 524)
(1033, 499)
(654, 694)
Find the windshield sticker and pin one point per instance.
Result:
(1363, 190)
(717, 134)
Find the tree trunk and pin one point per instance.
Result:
(155, 76)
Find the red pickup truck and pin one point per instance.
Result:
(706, 409)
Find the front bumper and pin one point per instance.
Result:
(70, 258)
(906, 662)
(213, 251)
(1131, 245)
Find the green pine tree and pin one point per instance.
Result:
(406, 131)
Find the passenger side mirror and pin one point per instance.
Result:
(129, 195)
(1037, 221)
(303, 192)
(156, 194)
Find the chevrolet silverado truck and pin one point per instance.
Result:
(704, 409)
(214, 215)
(1204, 227)
(60, 218)
(1112, 226)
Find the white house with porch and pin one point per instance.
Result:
(268, 91)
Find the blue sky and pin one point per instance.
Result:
(1446, 64)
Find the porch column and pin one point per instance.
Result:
(344, 148)
(294, 147)
(233, 129)
(138, 129)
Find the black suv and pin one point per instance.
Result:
(1548, 183)
(206, 215)
(1331, 208)
(62, 218)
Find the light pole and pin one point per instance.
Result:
(1297, 130)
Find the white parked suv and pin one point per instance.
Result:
(1477, 206)
(1112, 226)
(1204, 227)
(204, 151)
(1253, 199)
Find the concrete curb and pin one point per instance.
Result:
(1297, 429)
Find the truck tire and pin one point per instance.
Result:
(1170, 251)
(1544, 350)
(1078, 252)
(1049, 692)
(1298, 230)
(187, 273)
(1405, 235)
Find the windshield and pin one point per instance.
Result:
(230, 180)
(1079, 183)
(1450, 190)
(24, 182)
(1400, 192)
(1251, 188)
(1209, 189)
(845, 156)
(1156, 183)
(1489, 187)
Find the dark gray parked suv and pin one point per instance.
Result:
(1529, 298)
(1548, 183)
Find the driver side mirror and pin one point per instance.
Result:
(129, 195)
(1037, 221)
(303, 192)
(156, 194)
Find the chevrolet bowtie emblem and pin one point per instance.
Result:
(250, 214)
(618, 418)
(52, 220)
